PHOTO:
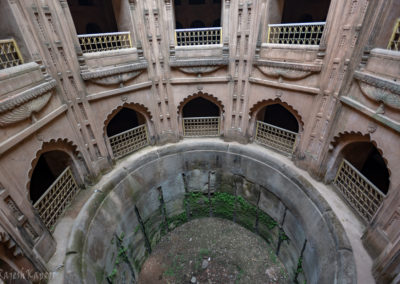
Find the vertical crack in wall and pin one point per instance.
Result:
(299, 268)
(235, 181)
(146, 239)
(210, 189)
(281, 233)
(163, 209)
(122, 253)
(258, 209)
(187, 205)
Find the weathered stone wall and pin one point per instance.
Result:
(152, 186)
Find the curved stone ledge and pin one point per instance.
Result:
(315, 233)
(109, 71)
(26, 96)
(379, 89)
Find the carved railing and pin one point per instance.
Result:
(56, 198)
(275, 137)
(201, 126)
(362, 195)
(129, 141)
(9, 54)
(298, 33)
(201, 36)
(104, 42)
(394, 43)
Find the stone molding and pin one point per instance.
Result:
(114, 75)
(23, 105)
(286, 70)
(199, 66)
(379, 89)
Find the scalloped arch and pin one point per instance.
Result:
(347, 137)
(140, 108)
(206, 96)
(64, 145)
(260, 104)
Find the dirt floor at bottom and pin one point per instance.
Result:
(212, 250)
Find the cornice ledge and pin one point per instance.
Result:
(199, 62)
(26, 96)
(289, 65)
(378, 82)
(287, 70)
(374, 114)
(379, 89)
(199, 66)
(110, 71)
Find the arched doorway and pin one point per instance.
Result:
(277, 128)
(363, 177)
(127, 132)
(201, 117)
(52, 185)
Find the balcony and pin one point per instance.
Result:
(129, 141)
(10, 55)
(362, 195)
(275, 137)
(296, 33)
(201, 126)
(56, 198)
(198, 36)
(104, 42)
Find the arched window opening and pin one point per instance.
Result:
(298, 22)
(52, 185)
(363, 177)
(201, 117)
(277, 128)
(200, 107)
(127, 132)
(195, 30)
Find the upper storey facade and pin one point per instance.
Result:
(84, 82)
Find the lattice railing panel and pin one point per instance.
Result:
(202, 36)
(362, 195)
(299, 33)
(129, 141)
(277, 138)
(10, 55)
(201, 126)
(394, 43)
(56, 198)
(104, 42)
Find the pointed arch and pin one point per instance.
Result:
(261, 104)
(345, 138)
(200, 94)
(140, 108)
(53, 145)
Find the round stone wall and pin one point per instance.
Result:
(158, 189)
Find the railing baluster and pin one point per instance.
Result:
(56, 198)
(201, 126)
(362, 195)
(202, 36)
(277, 138)
(298, 33)
(10, 55)
(129, 141)
(104, 42)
